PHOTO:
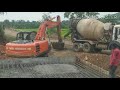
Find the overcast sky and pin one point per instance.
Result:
(34, 16)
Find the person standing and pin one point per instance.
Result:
(114, 60)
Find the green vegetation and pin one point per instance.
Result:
(113, 18)
(50, 32)
(21, 24)
(81, 15)
(26, 30)
(1, 33)
(65, 31)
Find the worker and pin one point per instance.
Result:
(114, 60)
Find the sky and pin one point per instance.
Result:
(35, 16)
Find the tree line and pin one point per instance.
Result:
(112, 18)
(22, 24)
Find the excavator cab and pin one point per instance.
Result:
(26, 36)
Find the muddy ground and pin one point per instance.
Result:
(101, 60)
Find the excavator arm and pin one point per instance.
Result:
(41, 34)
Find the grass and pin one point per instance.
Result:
(64, 31)
(26, 30)
(51, 32)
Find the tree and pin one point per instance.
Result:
(7, 23)
(13, 24)
(65, 24)
(1, 31)
(45, 16)
(80, 15)
(113, 18)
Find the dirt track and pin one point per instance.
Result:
(10, 32)
(101, 60)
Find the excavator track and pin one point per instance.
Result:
(36, 67)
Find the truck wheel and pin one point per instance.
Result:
(87, 47)
(76, 47)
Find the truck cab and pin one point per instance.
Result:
(115, 36)
(116, 33)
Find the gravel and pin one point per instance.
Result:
(56, 69)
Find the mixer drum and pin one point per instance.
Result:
(90, 29)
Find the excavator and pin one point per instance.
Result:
(32, 44)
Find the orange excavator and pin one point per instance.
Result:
(31, 44)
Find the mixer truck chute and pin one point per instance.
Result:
(93, 35)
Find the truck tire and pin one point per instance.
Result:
(76, 47)
(87, 47)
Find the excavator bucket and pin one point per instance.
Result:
(58, 45)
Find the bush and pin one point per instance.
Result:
(2, 38)
(51, 31)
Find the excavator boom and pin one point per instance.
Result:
(49, 24)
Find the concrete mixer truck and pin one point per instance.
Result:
(93, 35)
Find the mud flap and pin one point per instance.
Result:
(58, 45)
